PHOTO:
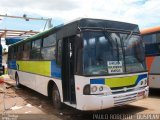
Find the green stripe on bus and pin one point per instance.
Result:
(121, 81)
(37, 67)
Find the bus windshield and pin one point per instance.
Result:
(112, 53)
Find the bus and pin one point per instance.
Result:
(88, 64)
(151, 38)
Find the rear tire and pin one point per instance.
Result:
(18, 85)
(56, 98)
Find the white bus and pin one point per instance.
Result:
(88, 64)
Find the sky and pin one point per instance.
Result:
(145, 13)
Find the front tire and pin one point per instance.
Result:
(56, 98)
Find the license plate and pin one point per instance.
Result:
(140, 94)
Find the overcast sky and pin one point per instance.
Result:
(145, 13)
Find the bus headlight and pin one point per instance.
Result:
(101, 88)
(86, 90)
(142, 82)
(145, 82)
(93, 89)
(96, 89)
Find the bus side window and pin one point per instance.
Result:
(49, 41)
(158, 37)
(15, 52)
(20, 52)
(48, 53)
(59, 52)
(35, 51)
(10, 53)
(26, 52)
(149, 39)
(48, 47)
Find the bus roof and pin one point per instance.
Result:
(69, 29)
(36, 36)
(150, 30)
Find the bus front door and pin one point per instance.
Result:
(68, 84)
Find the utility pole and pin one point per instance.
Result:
(25, 17)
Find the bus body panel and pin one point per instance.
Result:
(27, 79)
(36, 82)
(110, 99)
(152, 64)
(95, 102)
(154, 81)
(151, 40)
(44, 68)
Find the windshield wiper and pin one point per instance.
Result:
(122, 45)
(129, 36)
(111, 39)
(117, 47)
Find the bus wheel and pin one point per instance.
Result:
(56, 98)
(17, 81)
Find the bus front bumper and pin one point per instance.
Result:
(98, 102)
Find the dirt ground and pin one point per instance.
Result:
(33, 105)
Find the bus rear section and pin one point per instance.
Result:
(151, 38)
